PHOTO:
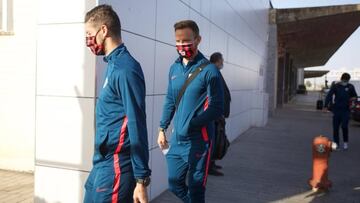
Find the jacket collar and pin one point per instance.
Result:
(117, 51)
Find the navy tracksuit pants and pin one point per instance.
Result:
(189, 159)
(341, 118)
(101, 186)
(112, 179)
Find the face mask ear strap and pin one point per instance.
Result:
(96, 36)
(103, 40)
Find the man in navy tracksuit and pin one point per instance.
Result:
(344, 92)
(191, 142)
(217, 59)
(120, 170)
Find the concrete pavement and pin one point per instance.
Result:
(16, 187)
(274, 163)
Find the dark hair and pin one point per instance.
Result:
(345, 76)
(215, 57)
(105, 15)
(187, 24)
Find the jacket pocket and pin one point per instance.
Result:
(103, 144)
(193, 129)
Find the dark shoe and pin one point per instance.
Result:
(214, 172)
(217, 166)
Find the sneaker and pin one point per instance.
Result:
(214, 172)
(217, 166)
(346, 146)
(335, 147)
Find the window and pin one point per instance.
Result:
(6, 17)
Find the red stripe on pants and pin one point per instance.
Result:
(116, 162)
(207, 164)
(206, 139)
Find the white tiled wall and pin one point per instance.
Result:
(143, 49)
(58, 185)
(165, 56)
(136, 16)
(167, 13)
(65, 102)
(66, 80)
(64, 129)
(70, 76)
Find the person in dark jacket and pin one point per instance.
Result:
(217, 59)
(191, 141)
(120, 170)
(343, 92)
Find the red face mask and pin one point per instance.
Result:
(97, 49)
(185, 50)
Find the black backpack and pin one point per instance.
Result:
(221, 141)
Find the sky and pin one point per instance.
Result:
(347, 56)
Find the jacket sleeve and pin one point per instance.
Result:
(329, 96)
(169, 106)
(215, 92)
(132, 90)
(353, 92)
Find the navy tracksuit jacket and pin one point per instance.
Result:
(121, 142)
(190, 144)
(340, 108)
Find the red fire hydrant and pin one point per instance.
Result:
(321, 149)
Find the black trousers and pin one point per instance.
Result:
(341, 118)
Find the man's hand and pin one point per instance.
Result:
(326, 109)
(140, 194)
(162, 142)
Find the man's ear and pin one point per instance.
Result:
(104, 30)
(198, 40)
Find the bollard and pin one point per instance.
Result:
(321, 148)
